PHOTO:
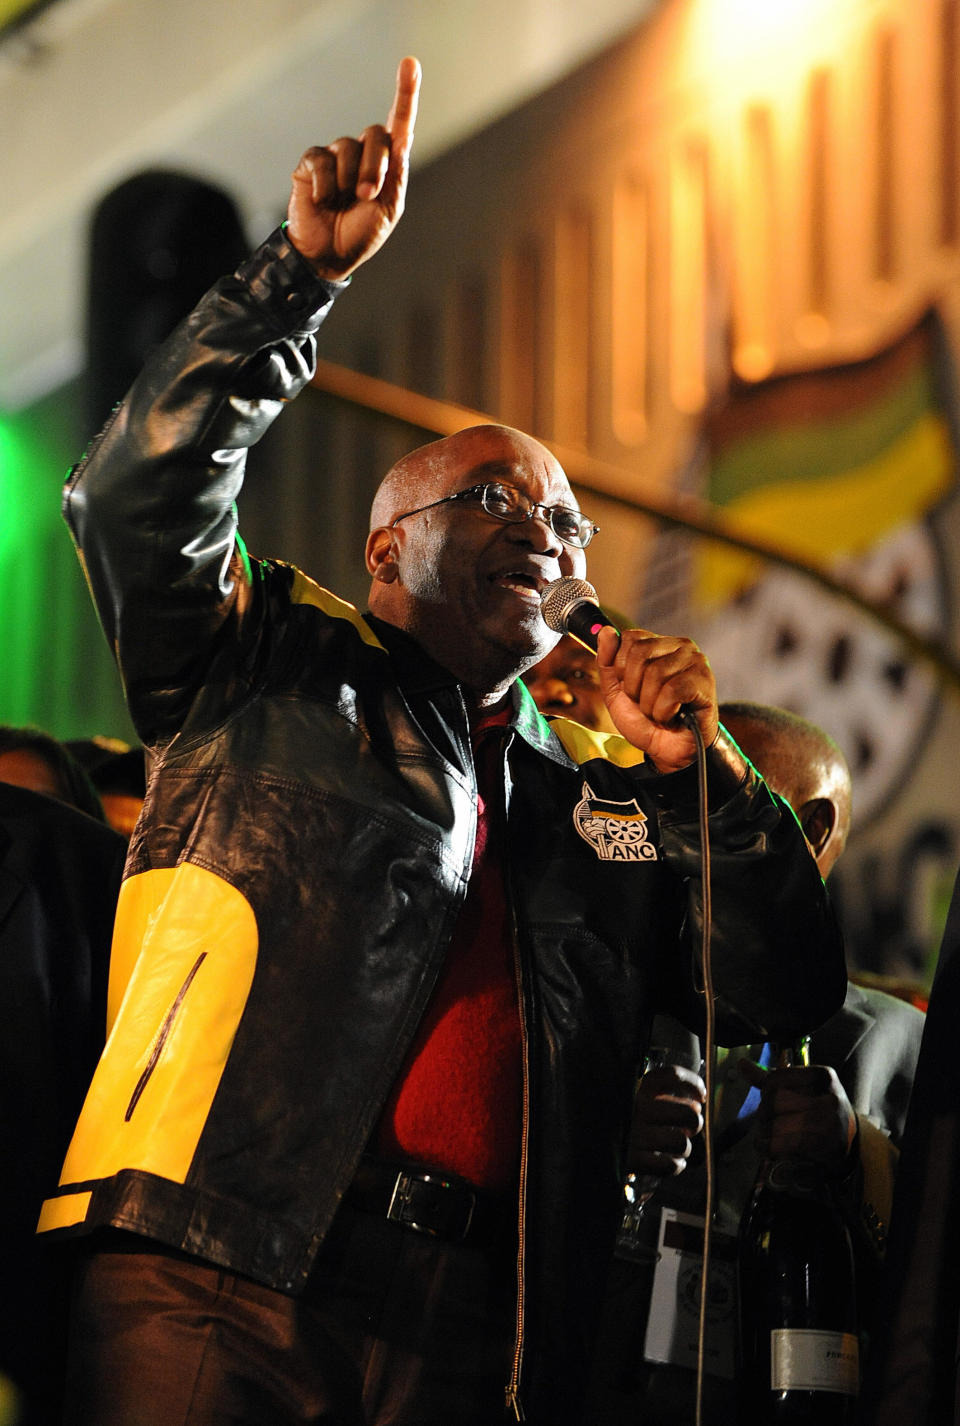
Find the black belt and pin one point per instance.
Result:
(431, 1202)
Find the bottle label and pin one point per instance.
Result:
(673, 1326)
(803, 1359)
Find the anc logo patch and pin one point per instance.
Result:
(617, 831)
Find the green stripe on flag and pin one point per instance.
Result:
(821, 449)
(827, 463)
(842, 515)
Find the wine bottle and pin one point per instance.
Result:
(798, 1343)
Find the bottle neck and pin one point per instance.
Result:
(792, 1175)
(786, 1054)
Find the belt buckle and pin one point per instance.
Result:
(409, 1187)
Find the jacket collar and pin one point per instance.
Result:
(419, 673)
(840, 1037)
(534, 729)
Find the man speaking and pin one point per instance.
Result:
(353, 1153)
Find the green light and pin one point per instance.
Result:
(29, 514)
(58, 673)
(23, 506)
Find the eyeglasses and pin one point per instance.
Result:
(506, 502)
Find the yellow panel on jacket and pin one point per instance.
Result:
(184, 954)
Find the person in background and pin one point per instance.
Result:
(34, 759)
(387, 947)
(118, 772)
(567, 684)
(60, 872)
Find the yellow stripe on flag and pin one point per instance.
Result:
(820, 520)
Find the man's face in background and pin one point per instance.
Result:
(567, 683)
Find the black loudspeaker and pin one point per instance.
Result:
(157, 242)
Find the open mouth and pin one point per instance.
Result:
(520, 582)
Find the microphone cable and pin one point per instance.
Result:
(709, 1048)
(570, 606)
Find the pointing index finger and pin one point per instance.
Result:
(403, 111)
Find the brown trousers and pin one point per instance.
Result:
(395, 1329)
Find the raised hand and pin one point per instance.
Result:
(347, 197)
(646, 679)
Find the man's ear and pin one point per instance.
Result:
(818, 818)
(382, 554)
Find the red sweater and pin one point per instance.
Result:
(457, 1102)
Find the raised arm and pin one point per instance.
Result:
(152, 504)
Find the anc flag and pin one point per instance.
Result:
(829, 462)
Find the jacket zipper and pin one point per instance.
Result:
(513, 1401)
(161, 1039)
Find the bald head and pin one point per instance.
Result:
(437, 469)
(801, 763)
(408, 483)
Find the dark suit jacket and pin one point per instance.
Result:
(873, 1042)
(914, 1374)
(59, 879)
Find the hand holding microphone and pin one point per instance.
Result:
(651, 683)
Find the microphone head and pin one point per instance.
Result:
(561, 597)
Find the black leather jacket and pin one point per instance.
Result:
(305, 849)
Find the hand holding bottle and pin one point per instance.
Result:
(796, 1278)
(667, 1117)
(804, 1114)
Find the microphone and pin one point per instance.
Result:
(570, 606)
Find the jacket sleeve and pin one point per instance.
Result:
(777, 953)
(151, 504)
